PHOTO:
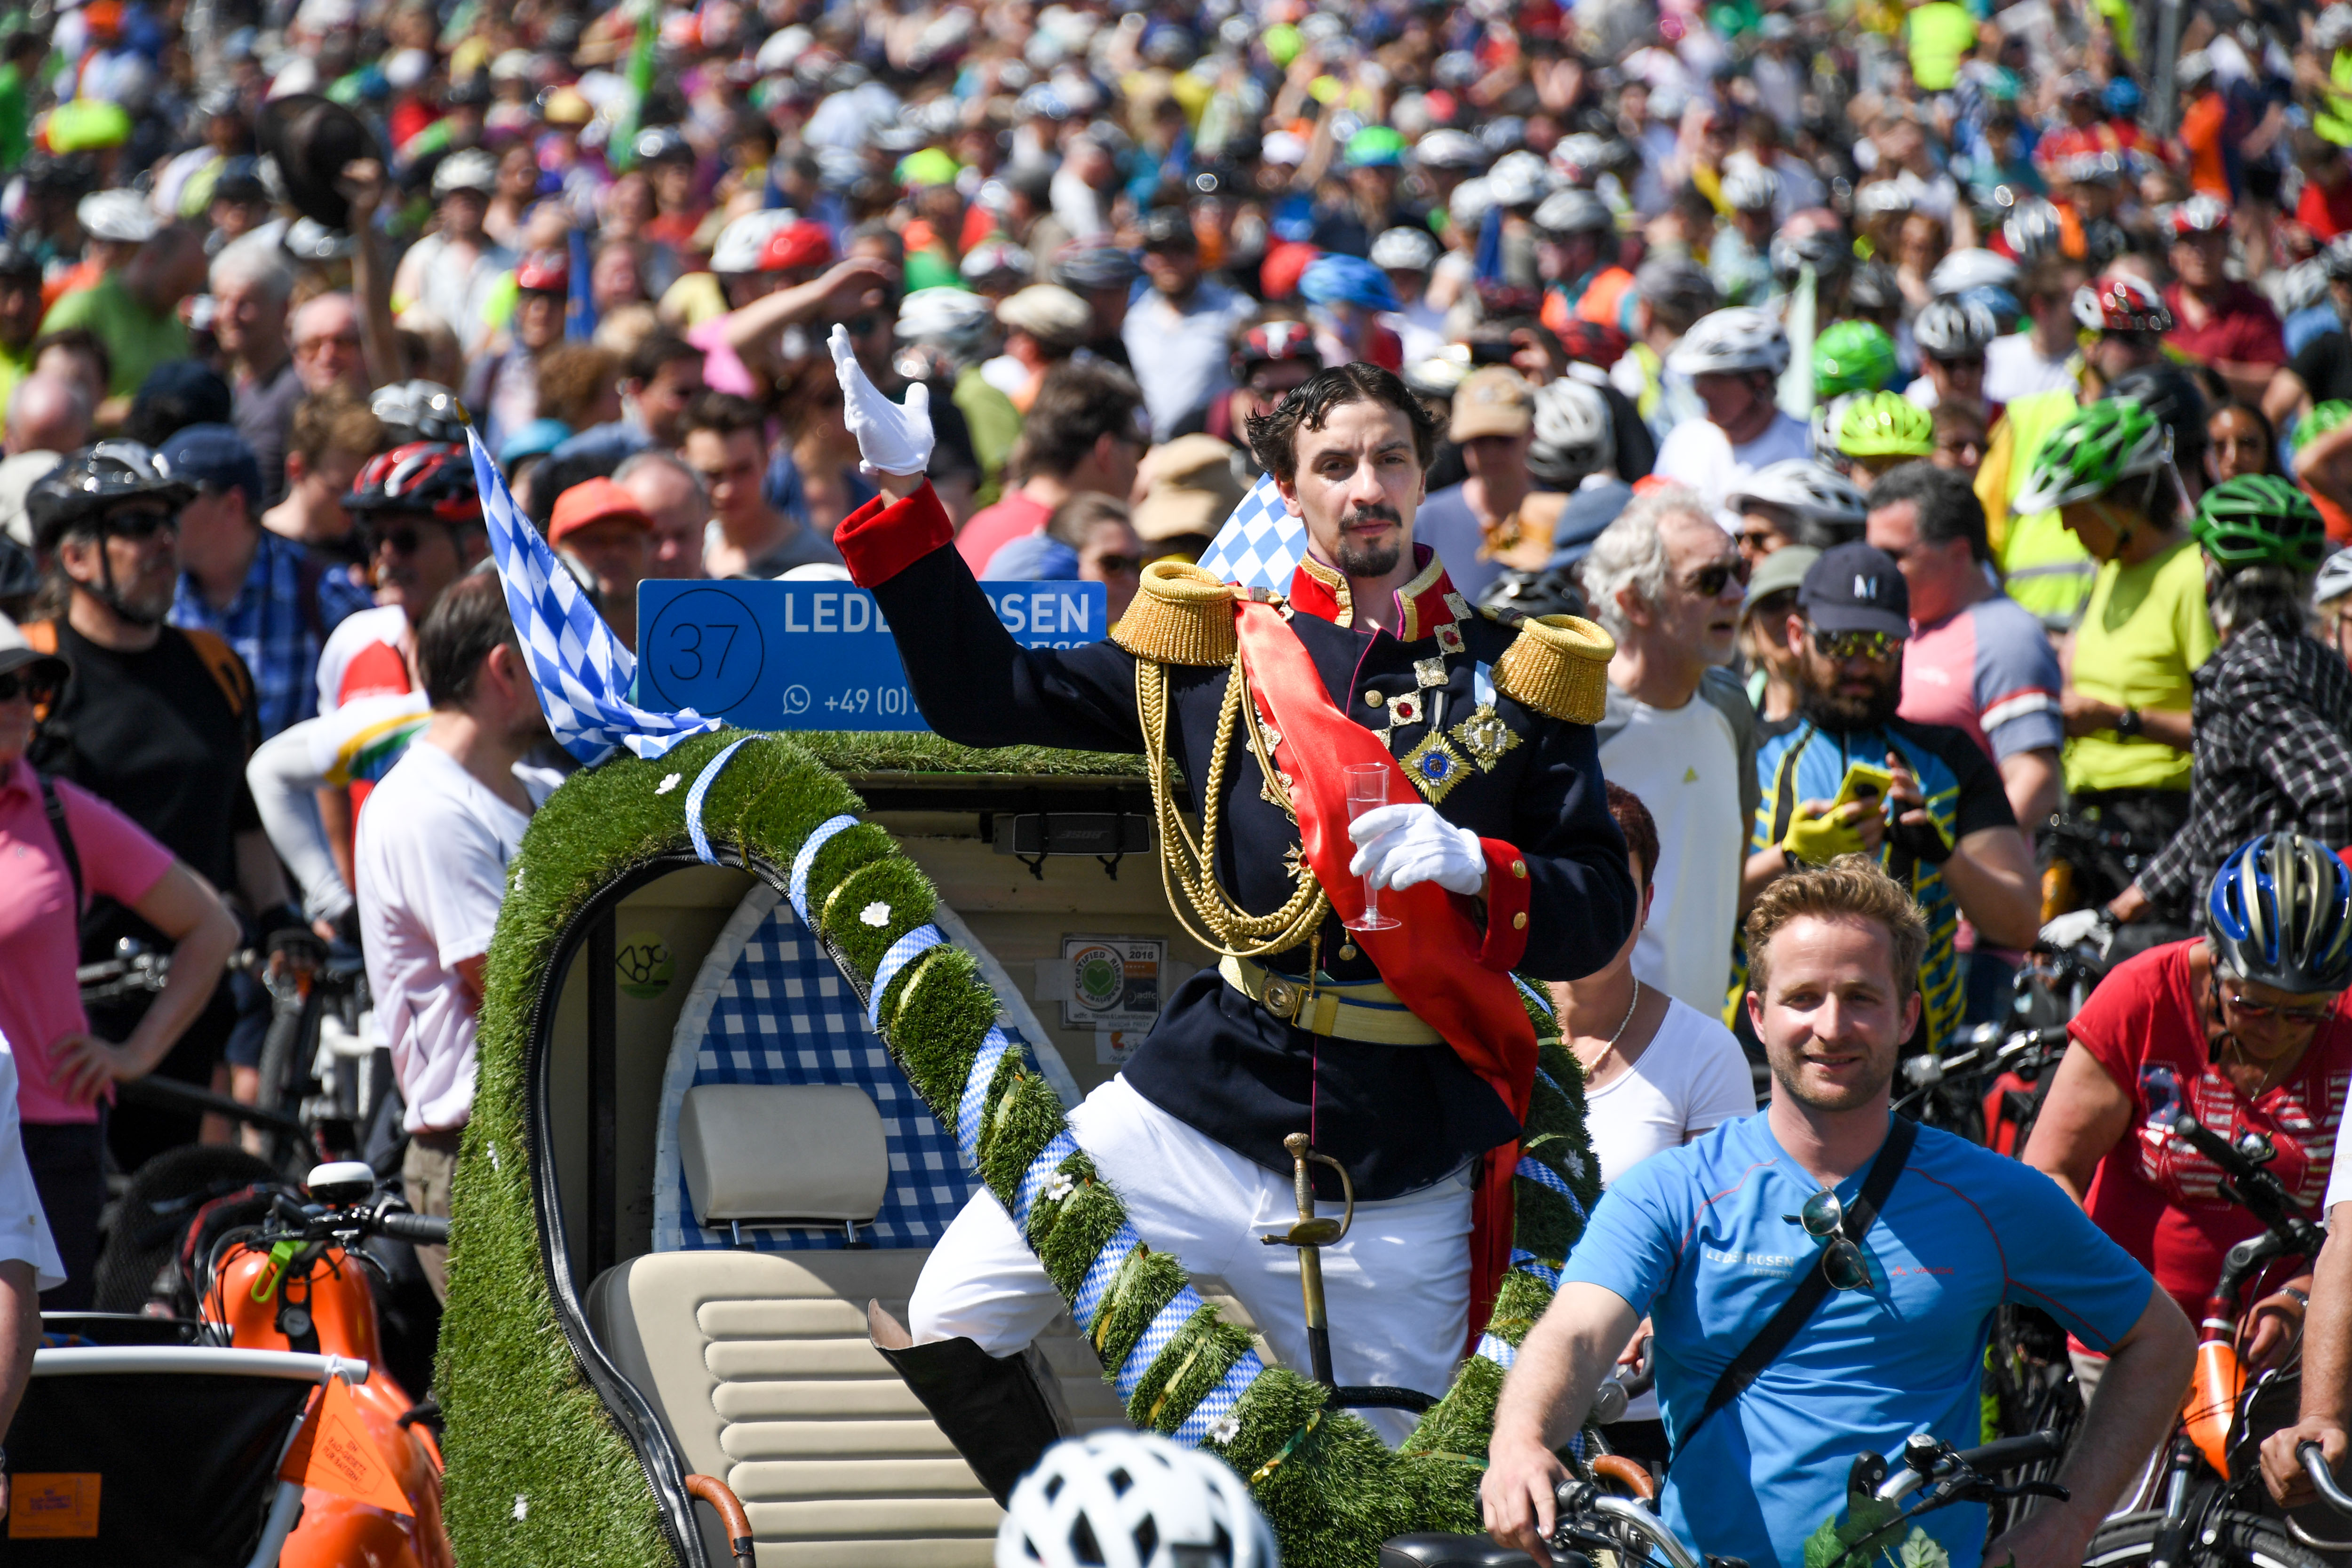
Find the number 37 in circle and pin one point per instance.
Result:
(704, 652)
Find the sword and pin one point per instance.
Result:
(1310, 1235)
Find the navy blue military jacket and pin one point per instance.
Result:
(1399, 1118)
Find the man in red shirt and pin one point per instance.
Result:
(2325, 206)
(2220, 322)
(1087, 431)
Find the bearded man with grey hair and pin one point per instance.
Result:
(1667, 581)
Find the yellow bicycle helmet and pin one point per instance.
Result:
(1885, 425)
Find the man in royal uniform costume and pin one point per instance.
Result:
(1404, 1054)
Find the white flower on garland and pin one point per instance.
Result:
(876, 914)
(668, 783)
(1060, 1187)
(1225, 1428)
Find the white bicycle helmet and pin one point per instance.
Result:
(1404, 250)
(947, 315)
(1472, 200)
(468, 169)
(1573, 211)
(2335, 579)
(1117, 1498)
(1573, 432)
(2033, 229)
(1953, 329)
(1747, 187)
(1446, 148)
(741, 241)
(1882, 196)
(2334, 28)
(1731, 341)
(1805, 487)
(1965, 269)
(1518, 179)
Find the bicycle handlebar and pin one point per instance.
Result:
(424, 1229)
(2009, 1453)
(2322, 1479)
(2262, 1193)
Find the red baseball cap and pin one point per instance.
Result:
(592, 502)
(544, 272)
(796, 245)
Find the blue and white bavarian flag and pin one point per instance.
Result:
(1261, 545)
(582, 672)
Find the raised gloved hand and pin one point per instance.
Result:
(1819, 840)
(1399, 845)
(1919, 834)
(892, 438)
(2096, 926)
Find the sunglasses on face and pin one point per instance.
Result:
(1117, 565)
(2236, 1000)
(399, 541)
(1973, 362)
(139, 525)
(309, 347)
(33, 687)
(1711, 580)
(1875, 647)
(1845, 1264)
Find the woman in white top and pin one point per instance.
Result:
(1657, 1073)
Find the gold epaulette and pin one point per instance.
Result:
(1559, 666)
(1182, 614)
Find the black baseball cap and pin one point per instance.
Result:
(1856, 588)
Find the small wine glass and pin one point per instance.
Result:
(1368, 789)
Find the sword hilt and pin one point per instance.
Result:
(1311, 1230)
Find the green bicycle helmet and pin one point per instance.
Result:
(2260, 519)
(1852, 356)
(1885, 425)
(2093, 452)
(2323, 417)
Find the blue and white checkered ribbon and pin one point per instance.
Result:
(974, 1103)
(1502, 1352)
(1088, 1299)
(1528, 1263)
(903, 952)
(819, 837)
(582, 670)
(1543, 1175)
(1261, 545)
(1162, 1329)
(1219, 1400)
(1534, 995)
(702, 783)
(1041, 1171)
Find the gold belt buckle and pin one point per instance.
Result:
(1282, 996)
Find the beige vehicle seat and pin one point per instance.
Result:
(758, 1361)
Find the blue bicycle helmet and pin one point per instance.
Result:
(2280, 913)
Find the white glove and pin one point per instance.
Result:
(1399, 845)
(2078, 926)
(892, 438)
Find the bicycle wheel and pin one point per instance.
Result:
(2029, 1386)
(2236, 1538)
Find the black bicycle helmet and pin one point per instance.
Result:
(419, 411)
(81, 490)
(2173, 396)
(2280, 913)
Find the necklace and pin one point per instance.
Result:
(1622, 1024)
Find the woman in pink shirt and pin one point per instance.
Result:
(63, 1069)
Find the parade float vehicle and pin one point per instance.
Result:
(761, 1014)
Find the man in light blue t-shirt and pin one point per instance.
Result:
(1700, 1240)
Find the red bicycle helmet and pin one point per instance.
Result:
(2200, 215)
(1271, 341)
(435, 478)
(1594, 342)
(2122, 305)
(544, 272)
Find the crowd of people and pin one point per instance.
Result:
(1945, 409)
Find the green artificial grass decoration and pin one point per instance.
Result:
(538, 1471)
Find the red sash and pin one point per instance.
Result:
(1430, 961)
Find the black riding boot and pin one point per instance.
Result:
(1001, 1414)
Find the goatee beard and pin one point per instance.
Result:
(1847, 715)
(1360, 561)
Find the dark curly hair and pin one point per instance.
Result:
(1275, 437)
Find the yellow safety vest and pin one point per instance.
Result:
(2042, 565)
(2333, 119)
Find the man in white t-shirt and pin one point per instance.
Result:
(434, 841)
(2044, 357)
(1734, 359)
(1668, 584)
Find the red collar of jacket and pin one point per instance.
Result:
(1426, 607)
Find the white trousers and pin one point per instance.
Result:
(1397, 1291)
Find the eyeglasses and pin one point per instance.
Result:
(1712, 579)
(2234, 1000)
(1875, 647)
(144, 523)
(1844, 1263)
(1972, 361)
(310, 346)
(33, 687)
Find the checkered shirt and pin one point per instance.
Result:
(272, 631)
(2273, 725)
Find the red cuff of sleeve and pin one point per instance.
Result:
(1508, 889)
(883, 538)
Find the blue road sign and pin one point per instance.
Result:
(816, 656)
